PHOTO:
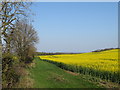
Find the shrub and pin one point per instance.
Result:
(29, 59)
(9, 75)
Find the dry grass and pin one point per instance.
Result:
(73, 73)
(25, 80)
(57, 78)
(32, 65)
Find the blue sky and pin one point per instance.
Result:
(75, 27)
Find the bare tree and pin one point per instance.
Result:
(24, 39)
(9, 13)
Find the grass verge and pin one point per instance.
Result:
(47, 75)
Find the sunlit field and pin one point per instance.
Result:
(102, 64)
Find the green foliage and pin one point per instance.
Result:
(9, 74)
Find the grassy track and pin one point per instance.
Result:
(47, 75)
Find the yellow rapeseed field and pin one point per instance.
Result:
(105, 60)
(102, 64)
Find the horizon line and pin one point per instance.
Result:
(77, 51)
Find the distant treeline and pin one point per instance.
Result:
(99, 50)
(57, 53)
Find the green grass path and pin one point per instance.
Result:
(47, 75)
